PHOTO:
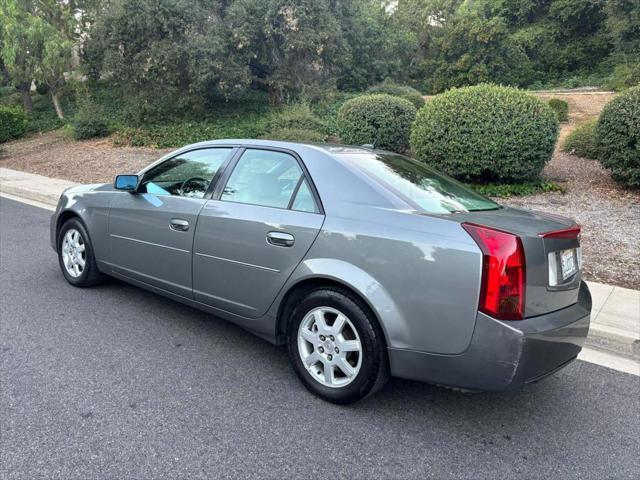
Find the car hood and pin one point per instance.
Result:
(89, 188)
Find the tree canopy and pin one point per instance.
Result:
(189, 51)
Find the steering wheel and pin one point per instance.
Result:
(203, 181)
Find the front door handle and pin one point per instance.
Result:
(179, 225)
(280, 239)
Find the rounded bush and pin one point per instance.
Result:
(295, 116)
(561, 108)
(296, 135)
(583, 140)
(618, 131)
(13, 123)
(381, 120)
(486, 133)
(402, 91)
(89, 122)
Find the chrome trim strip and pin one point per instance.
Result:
(239, 263)
(149, 243)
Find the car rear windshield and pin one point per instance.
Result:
(419, 184)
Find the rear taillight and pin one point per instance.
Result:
(572, 233)
(503, 272)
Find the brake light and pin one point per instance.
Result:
(567, 233)
(503, 272)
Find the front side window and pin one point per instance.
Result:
(423, 186)
(186, 175)
(264, 178)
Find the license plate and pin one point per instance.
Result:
(568, 263)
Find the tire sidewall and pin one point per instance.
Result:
(89, 264)
(370, 339)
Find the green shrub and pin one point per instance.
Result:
(297, 116)
(583, 140)
(13, 123)
(381, 120)
(89, 122)
(393, 89)
(517, 189)
(296, 135)
(486, 133)
(623, 76)
(618, 130)
(561, 108)
(327, 111)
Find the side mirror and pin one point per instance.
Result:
(128, 183)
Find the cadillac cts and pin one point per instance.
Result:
(364, 263)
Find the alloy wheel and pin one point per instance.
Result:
(329, 347)
(74, 256)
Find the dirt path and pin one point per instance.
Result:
(54, 154)
(609, 214)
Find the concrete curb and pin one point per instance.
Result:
(33, 187)
(615, 317)
(615, 320)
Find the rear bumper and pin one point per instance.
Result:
(504, 355)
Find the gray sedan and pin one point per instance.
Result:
(364, 263)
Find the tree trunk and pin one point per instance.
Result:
(26, 101)
(274, 95)
(55, 98)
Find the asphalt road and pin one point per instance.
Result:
(115, 382)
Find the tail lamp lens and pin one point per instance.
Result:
(503, 272)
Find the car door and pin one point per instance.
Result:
(151, 231)
(262, 220)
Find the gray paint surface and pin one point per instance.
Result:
(419, 273)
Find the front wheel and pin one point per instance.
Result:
(336, 347)
(75, 255)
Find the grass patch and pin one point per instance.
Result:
(517, 189)
(583, 140)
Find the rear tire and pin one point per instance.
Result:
(75, 255)
(336, 347)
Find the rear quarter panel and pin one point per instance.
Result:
(420, 274)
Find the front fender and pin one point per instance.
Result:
(91, 204)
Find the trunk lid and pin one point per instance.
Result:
(546, 289)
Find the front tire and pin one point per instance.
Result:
(75, 255)
(336, 347)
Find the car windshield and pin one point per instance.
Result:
(421, 185)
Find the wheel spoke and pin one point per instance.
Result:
(312, 359)
(309, 336)
(320, 321)
(338, 325)
(350, 346)
(81, 248)
(80, 261)
(346, 368)
(328, 373)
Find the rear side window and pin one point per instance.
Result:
(304, 201)
(263, 177)
(429, 190)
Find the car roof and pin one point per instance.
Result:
(331, 148)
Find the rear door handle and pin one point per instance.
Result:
(179, 225)
(280, 239)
